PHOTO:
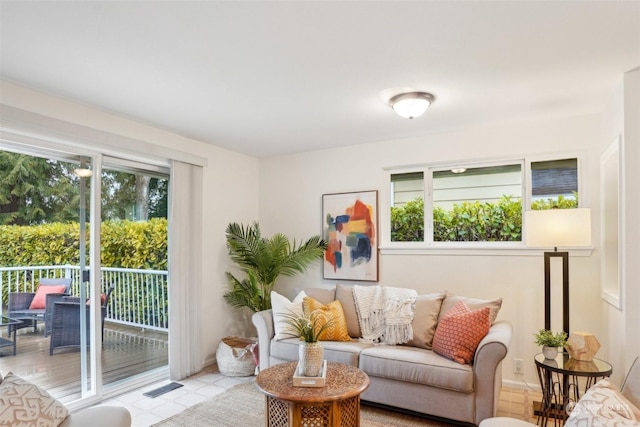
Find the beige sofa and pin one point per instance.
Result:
(17, 397)
(404, 376)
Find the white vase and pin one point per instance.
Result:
(550, 352)
(310, 356)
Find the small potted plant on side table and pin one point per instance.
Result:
(550, 341)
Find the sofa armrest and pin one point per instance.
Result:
(99, 416)
(263, 321)
(487, 370)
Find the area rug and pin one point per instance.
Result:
(243, 406)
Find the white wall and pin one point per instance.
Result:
(631, 285)
(622, 117)
(228, 177)
(290, 200)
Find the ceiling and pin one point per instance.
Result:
(269, 78)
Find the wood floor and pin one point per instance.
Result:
(126, 352)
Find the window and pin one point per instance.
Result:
(477, 203)
(554, 184)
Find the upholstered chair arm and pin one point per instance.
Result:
(487, 368)
(20, 300)
(99, 416)
(263, 321)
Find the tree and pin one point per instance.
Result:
(35, 190)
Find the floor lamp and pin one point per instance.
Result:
(553, 228)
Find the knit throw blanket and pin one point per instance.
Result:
(385, 313)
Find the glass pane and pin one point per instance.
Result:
(554, 184)
(407, 209)
(134, 266)
(478, 204)
(42, 225)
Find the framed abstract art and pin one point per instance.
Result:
(350, 227)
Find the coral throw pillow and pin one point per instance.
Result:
(460, 331)
(40, 299)
(337, 329)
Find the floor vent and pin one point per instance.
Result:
(162, 390)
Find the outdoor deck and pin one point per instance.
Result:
(126, 351)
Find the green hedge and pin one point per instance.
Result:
(468, 221)
(125, 244)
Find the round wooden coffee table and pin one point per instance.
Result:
(336, 404)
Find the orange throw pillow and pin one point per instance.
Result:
(40, 299)
(460, 331)
(337, 329)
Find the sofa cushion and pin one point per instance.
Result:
(603, 404)
(344, 294)
(416, 365)
(324, 295)
(346, 352)
(473, 303)
(25, 404)
(332, 312)
(425, 319)
(281, 308)
(460, 331)
(40, 298)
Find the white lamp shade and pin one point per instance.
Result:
(558, 227)
(412, 104)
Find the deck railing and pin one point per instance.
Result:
(139, 298)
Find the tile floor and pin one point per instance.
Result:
(146, 411)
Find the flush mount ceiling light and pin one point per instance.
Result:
(411, 104)
(83, 171)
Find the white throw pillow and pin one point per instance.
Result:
(25, 404)
(281, 307)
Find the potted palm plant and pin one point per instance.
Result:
(550, 341)
(263, 260)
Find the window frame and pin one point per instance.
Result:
(483, 248)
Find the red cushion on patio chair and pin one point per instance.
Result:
(40, 299)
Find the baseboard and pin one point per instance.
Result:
(522, 385)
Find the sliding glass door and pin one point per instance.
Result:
(100, 223)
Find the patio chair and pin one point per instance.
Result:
(65, 322)
(19, 303)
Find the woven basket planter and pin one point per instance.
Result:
(235, 356)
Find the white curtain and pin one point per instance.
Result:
(185, 270)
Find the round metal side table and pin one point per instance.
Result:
(563, 380)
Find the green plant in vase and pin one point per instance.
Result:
(309, 328)
(550, 342)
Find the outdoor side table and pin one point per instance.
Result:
(337, 404)
(563, 380)
(7, 342)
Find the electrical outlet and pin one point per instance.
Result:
(518, 366)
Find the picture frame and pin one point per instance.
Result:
(350, 228)
(612, 234)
